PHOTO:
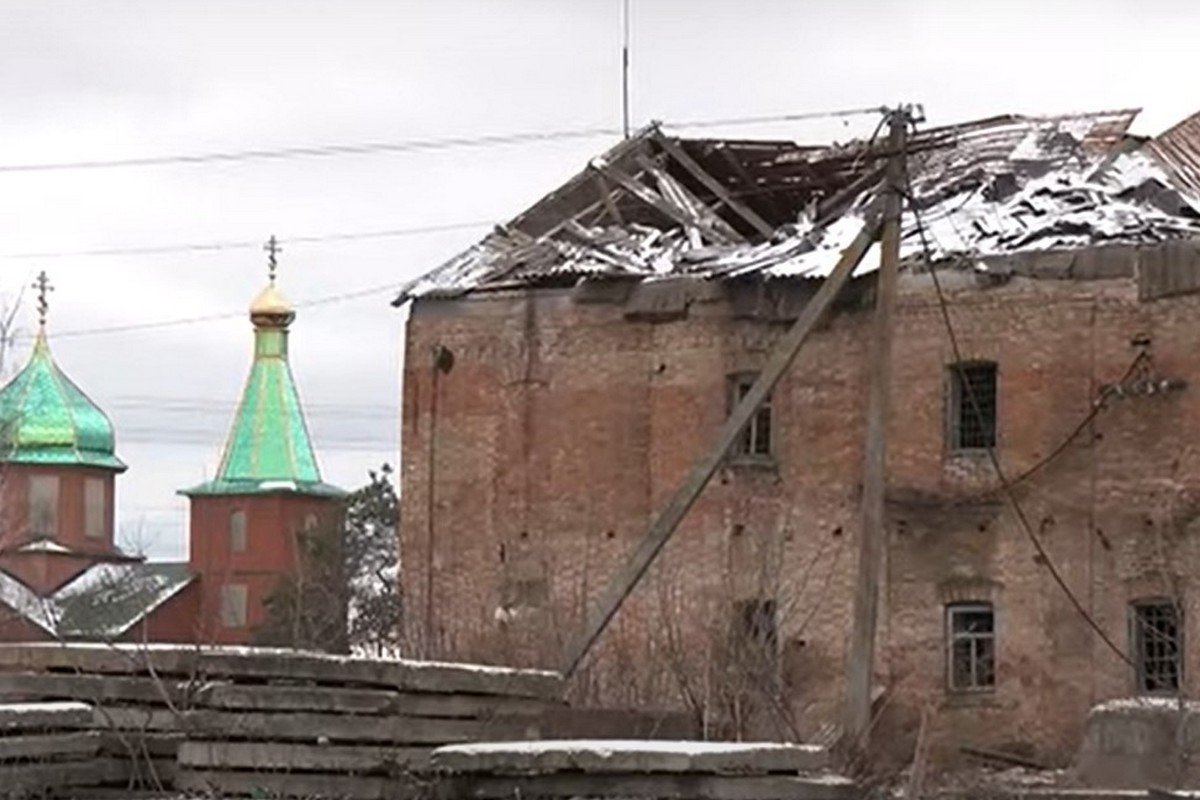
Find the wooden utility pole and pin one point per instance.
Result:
(873, 532)
(668, 519)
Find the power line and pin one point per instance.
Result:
(170, 323)
(1009, 493)
(238, 244)
(402, 146)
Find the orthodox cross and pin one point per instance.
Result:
(273, 249)
(42, 284)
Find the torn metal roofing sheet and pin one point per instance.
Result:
(653, 207)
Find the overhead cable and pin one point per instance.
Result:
(401, 146)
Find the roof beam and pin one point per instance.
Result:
(677, 194)
(751, 182)
(681, 157)
(651, 198)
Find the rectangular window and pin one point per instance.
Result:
(755, 441)
(237, 531)
(971, 628)
(1156, 644)
(43, 505)
(233, 606)
(973, 405)
(95, 508)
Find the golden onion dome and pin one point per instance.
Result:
(270, 302)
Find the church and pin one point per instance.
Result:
(62, 575)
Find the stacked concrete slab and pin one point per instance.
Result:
(557, 770)
(46, 747)
(138, 700)
(247, 721)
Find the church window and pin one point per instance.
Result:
(237, 531)
(95, 508)
(43, 505)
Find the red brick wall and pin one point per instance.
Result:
(272, 520)
(176, 621)
(45, 571)
(562, 426)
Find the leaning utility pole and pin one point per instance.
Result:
(663, 526)
(873, 532)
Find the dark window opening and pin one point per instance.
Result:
(973, 406)
(757, 623)
(1157, 647)
(755, 440)
(972, 647)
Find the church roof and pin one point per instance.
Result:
(269, 448)
(103, 602)
(46, 419)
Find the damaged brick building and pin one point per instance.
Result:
(563, 375)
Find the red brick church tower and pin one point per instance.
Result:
(245, 522)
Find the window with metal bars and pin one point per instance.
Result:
(755, 441)
(971, 630)
(1156, 635)
(973, 405)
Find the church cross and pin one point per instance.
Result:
(273, 249)
(42, 284)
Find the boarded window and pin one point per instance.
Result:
(755, 440)
(43, 505)
(973, 405)
(971, 628)
(95, 508)
(233, 606)
(237, 531)
(1156, 636)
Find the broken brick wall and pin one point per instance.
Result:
(561, 426)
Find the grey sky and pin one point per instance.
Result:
(91, 80)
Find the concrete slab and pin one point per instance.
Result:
(44, 716)
(267, 663)
(358, 759)
(349, 728)
(629, 757)
(49, 746)
(659, 787)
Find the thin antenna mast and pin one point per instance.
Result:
(625, 67)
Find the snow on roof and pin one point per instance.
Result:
(103, 601)
(107, 600)
(997, 186)
(26, 602)
(44, 546)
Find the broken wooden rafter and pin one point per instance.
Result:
(750, 181)
(672, 148)
(606, 196)
(652, 198)
(668, 520)
(677, 193)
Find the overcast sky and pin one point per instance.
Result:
(108, 80)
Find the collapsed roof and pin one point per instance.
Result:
(655, 206)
